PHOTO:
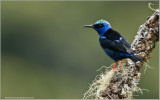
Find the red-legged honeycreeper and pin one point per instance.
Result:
(113, 43)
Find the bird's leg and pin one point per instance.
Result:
(115, 65)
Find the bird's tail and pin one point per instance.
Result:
(135, 58)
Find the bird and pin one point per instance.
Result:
(113, 43)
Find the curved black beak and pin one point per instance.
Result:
(90, 26)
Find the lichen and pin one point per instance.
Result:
(100, 83)
(122, 82)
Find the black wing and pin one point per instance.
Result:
(115, 41)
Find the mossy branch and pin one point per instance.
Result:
(122, 82)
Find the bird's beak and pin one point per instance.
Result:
(91, 26)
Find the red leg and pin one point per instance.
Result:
(114, 67)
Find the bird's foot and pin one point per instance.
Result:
(114, 67)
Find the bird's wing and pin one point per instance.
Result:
(117, 37)
(116, 45)
(129, 50)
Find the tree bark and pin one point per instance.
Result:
(126, 77)
(122, 82)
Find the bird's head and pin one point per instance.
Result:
(101, 26)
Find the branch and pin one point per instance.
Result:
(122, 83)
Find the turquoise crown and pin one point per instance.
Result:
(101, 21)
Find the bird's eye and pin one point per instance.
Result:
(99, 25)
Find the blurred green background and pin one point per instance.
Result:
(46, 54)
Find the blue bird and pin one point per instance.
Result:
(113, 43)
